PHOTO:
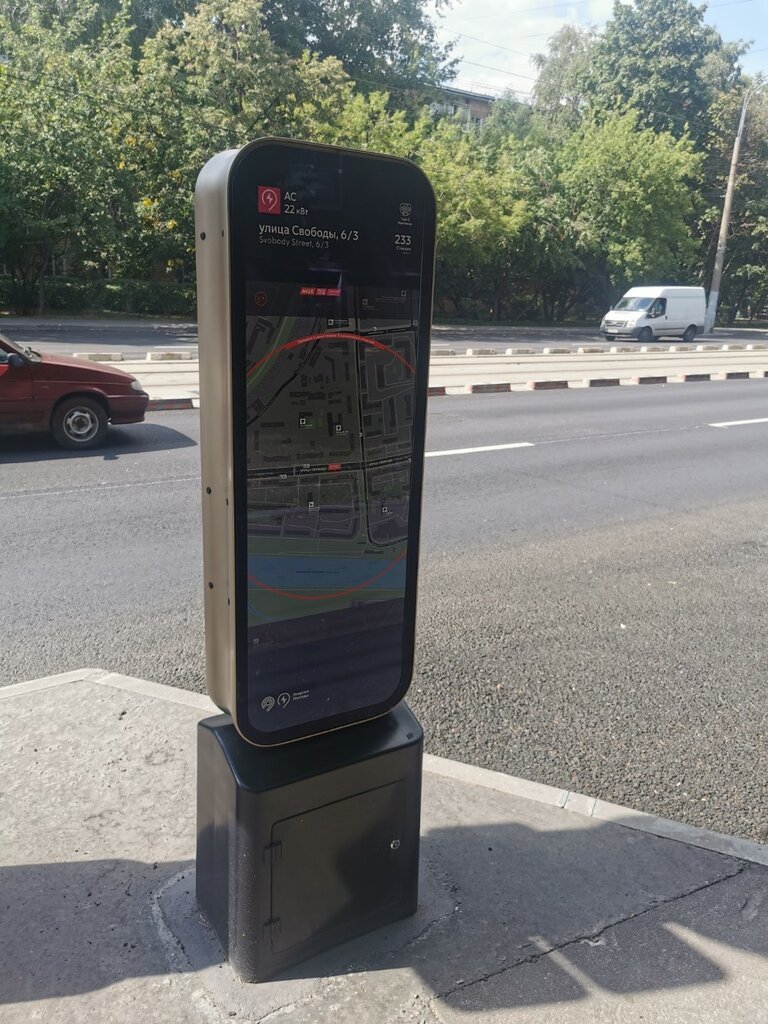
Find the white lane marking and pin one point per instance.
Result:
(738, 423)
(99, 487)
(483, 448)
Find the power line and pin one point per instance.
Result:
(501, 71)
(497, 46)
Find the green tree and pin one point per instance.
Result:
(661, 58)
(630, 195)
(145, 16)
(382, 44)
(481, 217)
(561, 95)
(745, 274)
(214, 82)
(62, 116)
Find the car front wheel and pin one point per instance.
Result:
(79, 423)
(645, 335)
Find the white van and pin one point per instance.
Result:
(656, 311)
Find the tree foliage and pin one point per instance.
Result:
(629, 195)
(382, 44)
(62, 115)
(659, 57)
(614, 175)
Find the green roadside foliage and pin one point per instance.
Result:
(613, 175)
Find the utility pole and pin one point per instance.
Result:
(717, 270)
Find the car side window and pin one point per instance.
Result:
(658, 307)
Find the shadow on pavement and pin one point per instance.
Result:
(132, 439)
(511, 917)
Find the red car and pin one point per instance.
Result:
(73, 399)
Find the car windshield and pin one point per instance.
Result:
(22, 350)
(634, 302)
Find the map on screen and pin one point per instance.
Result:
(329, 412)
(329, 373)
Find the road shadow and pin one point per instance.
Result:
(510, 917)
(131, 439)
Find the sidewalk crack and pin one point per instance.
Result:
(592, 937)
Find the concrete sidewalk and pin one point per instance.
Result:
(537, 905)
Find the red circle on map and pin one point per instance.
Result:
(329, 336)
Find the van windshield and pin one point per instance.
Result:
(633, 302)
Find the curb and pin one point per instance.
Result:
(155, 356)
(537, 792)
(169, 404)
(603, 810)
(592, 382)
(486, 389)
(546, 385)
(158, 357)
(447, 390)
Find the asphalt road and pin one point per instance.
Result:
(136, 339)
(592, 607)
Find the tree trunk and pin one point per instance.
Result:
(41, 289)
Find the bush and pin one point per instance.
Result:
(74, 295)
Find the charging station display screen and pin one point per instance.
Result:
(332, 279)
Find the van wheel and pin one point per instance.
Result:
(79, 423)
(645, 335)
(689, 334)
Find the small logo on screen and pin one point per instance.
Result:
(405, 210)
(268, 703)
(269, 199)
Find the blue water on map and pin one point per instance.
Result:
(299, 573)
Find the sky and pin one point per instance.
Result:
(496, 38)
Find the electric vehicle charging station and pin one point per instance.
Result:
(315, 271)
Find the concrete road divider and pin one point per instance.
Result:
(616, 349)
(157, 357)
(100, 357)
(556, 351)
(648, 380)
(693, 378)
(546, 385)
(519, 351)
(486, 389)
(602, 382)
(584, 350)
(481, 352)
